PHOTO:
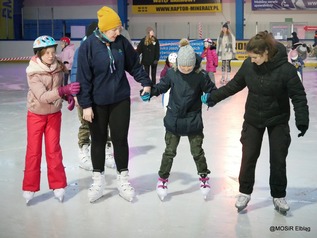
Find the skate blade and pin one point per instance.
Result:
(282, 212)
(161, 197)
(240, 209)
(94, 200)
(85, 168)
(129, 199)
(60, 199)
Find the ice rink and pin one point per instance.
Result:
(184, 213)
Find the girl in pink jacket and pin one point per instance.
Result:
(211, 58)
(44, 103)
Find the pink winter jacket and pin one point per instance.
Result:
(67, 55)
(211, 59)
(43, 81)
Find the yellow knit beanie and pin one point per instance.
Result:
(108, 19)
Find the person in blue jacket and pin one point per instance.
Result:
(103, 60)
(83, 132)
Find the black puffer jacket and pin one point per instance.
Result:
(183, 115)
(270, 86)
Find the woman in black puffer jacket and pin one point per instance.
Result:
(272, 82)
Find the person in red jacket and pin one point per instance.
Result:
(44, 103)
(211, 58)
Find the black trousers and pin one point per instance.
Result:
(117, 116)
(153, 71)
(279, 142)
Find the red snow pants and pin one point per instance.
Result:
(49, 126)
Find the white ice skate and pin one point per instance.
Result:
(110, 162)
(161, 188)
(222, 80)
(126, 191)
(97, 189)
(242, 201)
(281, 205)
(59, 194)
(84, 157)
(204, 186)
(28, 195)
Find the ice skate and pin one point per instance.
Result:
(110, 162)
(59, 194)
(281, 205)
(242, 201)
(222, 80)
(97, 188)
(28, 195)
(228, 79)
(161, 188)
(126, 191)
(84, 157)
(204, 185)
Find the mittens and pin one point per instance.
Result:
(71, 102)
(204, 98)
(146, 97)
(302, 129)
(69, 89)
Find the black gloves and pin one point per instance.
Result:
(302, 129)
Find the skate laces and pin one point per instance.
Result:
(243, 198)
(124, 183)
(281, 201)
(163, 183)
(204, 182)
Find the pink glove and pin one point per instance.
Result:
(71, 102)
(69, 89)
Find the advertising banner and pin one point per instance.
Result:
(175, 6)
(284, 5)
(6, 19)
(170, 46)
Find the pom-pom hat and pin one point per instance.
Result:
(186, 56)
(108, 19)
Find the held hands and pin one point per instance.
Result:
(69, 89)
(204, 98)
(145, 94)
(88, 114)
(302, 129)
(71, 102)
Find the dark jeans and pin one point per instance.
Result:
(117, 116)
(279, 142)
(66, 76)
(196, 150)
(153, 71)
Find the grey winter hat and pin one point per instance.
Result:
(186, 56)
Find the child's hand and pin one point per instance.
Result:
(204, 98)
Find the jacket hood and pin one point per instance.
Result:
(277, 60)
(36, 66)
